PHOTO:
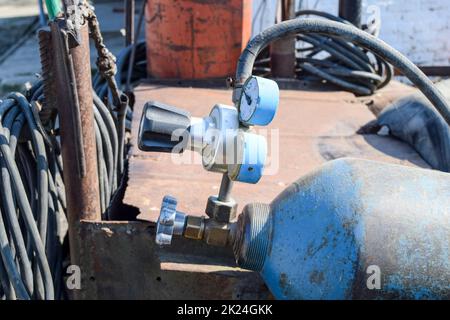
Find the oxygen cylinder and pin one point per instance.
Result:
(353, 229)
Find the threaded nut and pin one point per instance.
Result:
(221, 211)
(195, 227)
(217, 234)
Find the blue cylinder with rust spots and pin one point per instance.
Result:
(354, 229)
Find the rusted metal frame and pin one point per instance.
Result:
(148, 272)
(282, 52)
(49, 105)
(67, 91)
(82, 69)
(75, 108)
(130, 7)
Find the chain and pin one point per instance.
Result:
(106, 61)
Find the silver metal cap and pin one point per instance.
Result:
(170, 221)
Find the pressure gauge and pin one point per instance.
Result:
(259, 101)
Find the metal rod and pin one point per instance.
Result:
(133, 51)
(42, 19)
(89, 195)
(350, 10)
(74, 93)
(225, 188)
(282, 52)
(130, 6)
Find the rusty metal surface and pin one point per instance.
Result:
(80, 175)
(48, 74)
(130, 7)
(282, 52)
(314, 127)
(87, 195)
(120, 260)
(194, 39)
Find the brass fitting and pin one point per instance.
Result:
(195, 228)
(219, 234)
(222, 211)
(211, 231)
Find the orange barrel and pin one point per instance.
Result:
(196, 39)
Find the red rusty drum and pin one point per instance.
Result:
(196, 39)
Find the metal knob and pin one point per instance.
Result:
(163, 128)
(170, 222)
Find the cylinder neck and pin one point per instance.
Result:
(253, 236)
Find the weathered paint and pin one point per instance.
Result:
(194, 39)
(334, 223)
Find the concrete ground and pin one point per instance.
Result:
(19, 53)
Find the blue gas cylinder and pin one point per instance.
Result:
(353, 229)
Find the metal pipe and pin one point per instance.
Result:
(42, 19)
(87, 197)
(350, 10)
(135, 44)
(225, 188)
(282, 52)
(73, 74)
(130, 6)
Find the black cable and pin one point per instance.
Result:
(22, 200)
(350, 33)
(32, 202)
(346, 66)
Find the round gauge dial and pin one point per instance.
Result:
(249, 99)
(259, 101)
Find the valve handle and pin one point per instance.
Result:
(163, 128)
(170, 222)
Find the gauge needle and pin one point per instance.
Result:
(248, 98)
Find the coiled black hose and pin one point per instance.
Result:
(349, 33)
(335, 60)
(32, 204)
(25, 184)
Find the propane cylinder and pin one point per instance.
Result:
(353, 229)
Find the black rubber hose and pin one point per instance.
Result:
(8, 291)
(32, 205)
(41, 160)
(10, 265)
(9, 205)
(108, 153)
(108, 120)
(342, 83)
(350, 33)
(101, 163)
(24, 206)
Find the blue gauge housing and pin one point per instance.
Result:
(263, 109)
(253, 158)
